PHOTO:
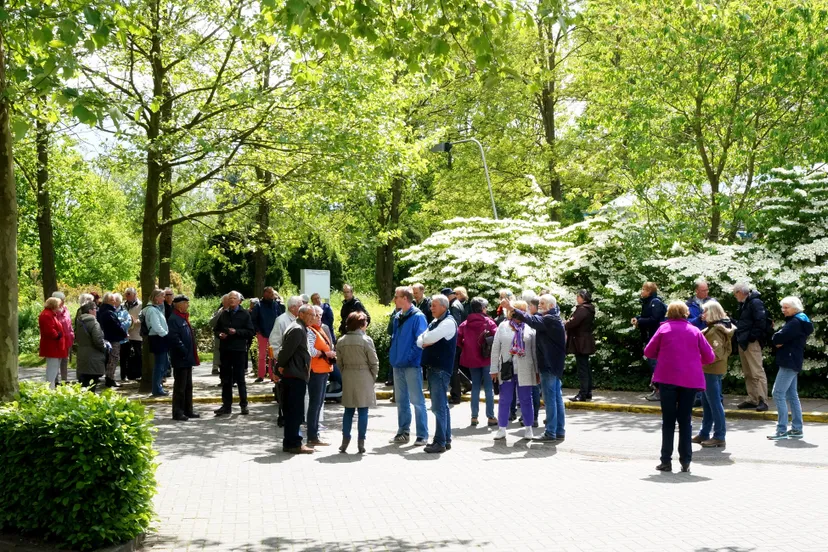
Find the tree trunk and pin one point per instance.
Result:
(44, 213)
(715, 212)
(8, 245)
(548, 104)
(165, 237)
(385, 251)
(263, 222)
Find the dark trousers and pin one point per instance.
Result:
(676, 406)
(584, 375)
(316, 396)
(87, 380)
(233, 366)
(131, 360)
(460, 378)
(182, 401)
(293, 405)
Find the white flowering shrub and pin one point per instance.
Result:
(612, 257)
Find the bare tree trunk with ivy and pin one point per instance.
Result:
(48, 272)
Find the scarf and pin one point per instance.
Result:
(186, 317)
(518, 346)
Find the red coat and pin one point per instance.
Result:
(52, 342)
(469, 337)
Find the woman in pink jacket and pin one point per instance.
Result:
(472, 343)
(680, 350)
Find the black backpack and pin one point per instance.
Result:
(485, 343)
(144, 328)
(769, 331)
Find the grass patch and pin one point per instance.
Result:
(30, 360)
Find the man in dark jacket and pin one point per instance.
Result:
(551, 349)
(751, 319)
(460, 381)
(350, 304)
(653, 313)
(183, 356)
(422, 302)
(114, 333)
(294, 369)
(264, 315)
(233, 328)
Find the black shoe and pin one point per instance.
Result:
(221, 411)
(389, 383)
(746, 405)
(180, 418)
(665, 467)
(434, 448)
(577, 398)
(112, 383)
(455, 401)
(763, 406)
(193, 415)
(448, 446)
(513, 417)
(520, 422)
(258, 380)
(685, 468)
(697, 403)
(244, 411)
(535, 423)
(280, 421)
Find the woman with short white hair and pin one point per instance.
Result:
(719, 333)
(790, 351)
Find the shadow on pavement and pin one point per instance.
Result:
(725, 549)
(382, 543)
(713, 457)
(795, 444)
(674, 478)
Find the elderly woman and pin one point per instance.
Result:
(581, 342)
(470, 337)
(68, 334)
(114, 333)
(123, 346)
(156, 327)
(790, 349)
(358, 361)
(52, 342)
(514, 362)
(92, 347)
(681, 350)
(719, 332)
(323, 355)
(652, 314)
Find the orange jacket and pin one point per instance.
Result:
(321, 365)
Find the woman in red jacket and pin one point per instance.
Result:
(470, 340)
(52, 342)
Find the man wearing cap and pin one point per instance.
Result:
(183, 356)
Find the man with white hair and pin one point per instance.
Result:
(422, 302)
(283, 321)
(234, 328)
(294, 367)
(132, 348)
(751, 322)
(551, 352)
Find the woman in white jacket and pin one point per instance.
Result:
(514, 361)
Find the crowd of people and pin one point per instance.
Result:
(448, 339)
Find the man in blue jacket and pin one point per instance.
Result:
(551, 347)
(264, 315)
(405, 358)
(696, 304)
(183, 356)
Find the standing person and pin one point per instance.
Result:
(169, 295)
(421, 301)
(68, 334)
(327, 311)
(789, 342)
(458, 309)
(294, 368)
(439, 344)
(751, 321)
(471, 337)
(216, 371)
(234, 328)
(500, 315)
(551, 355)
(653, 311)
(696, 304)
(126, 321)
(157, 330)
(83, 299)
(92, 347)
(580, 342)
(132, 349)
(681, 350)
(718, 333)
(350, 304)
(264, 316)
(514, 363)
(357, 357)
(114, 333)
(406, 362)
(52, 340)
(323, 355)
(183, 357)
(283, 322)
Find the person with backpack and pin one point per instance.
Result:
(154, 327)
(751, 329)
(474, 338)
(653, 313)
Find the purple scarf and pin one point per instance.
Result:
(518, 346)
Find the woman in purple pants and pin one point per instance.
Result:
(514, 362)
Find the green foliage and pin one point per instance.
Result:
(75, 467)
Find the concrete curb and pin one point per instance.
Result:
(811, 417)
(8, 542)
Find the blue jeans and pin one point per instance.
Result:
(408, 382)
(316, 398)
(481, 376)
(159, 370)
(348, 422)
(438, 384)
(553, 399)
(714, 414)
(784, 391)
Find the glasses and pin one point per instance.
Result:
(168, 294)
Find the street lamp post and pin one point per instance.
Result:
(446, 147)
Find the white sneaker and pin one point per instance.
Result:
(500, 434)
(528, 433)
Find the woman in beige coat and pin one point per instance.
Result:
(718, 333)
(357, 359)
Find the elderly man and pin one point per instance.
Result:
(405, 355)
(751, 322)
(264, 315)
(459, 309)
(113, 332)
(233, 328)
(294, 367)
(696, 304)
(169, 295)
(350, 304)
(439, 344)
(281, 325)
(131, 350)
(551, 349)
(183, 357)
(422, 302)
(156, 329)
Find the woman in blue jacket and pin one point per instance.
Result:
(790, 350)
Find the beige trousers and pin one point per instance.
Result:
(755, 379)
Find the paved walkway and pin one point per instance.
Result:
(225, 485)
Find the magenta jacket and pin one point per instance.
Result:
(681, 350)
(468, 340)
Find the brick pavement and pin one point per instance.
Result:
(225, 485)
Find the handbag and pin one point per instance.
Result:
(507, 370)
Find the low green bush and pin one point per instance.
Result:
(76, 468)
